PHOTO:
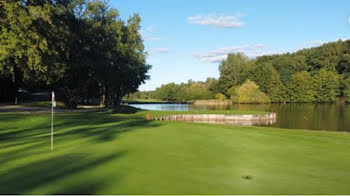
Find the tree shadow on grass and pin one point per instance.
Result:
(4, 117)
(12, 155)
(36, 141)
(98, 127)
(15, 126)
(25, 142)
(23, 179)
(106, 132)
(101, 125)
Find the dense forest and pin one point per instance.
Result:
(319, 74)
(80, 49)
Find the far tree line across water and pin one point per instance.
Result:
(319, 74)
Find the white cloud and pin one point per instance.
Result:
(162, 50)
(148, 34)
(221, 21)
(253, 51)
(221, 54)
(316, 43)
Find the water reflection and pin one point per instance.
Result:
(163, 107)
(331, 117)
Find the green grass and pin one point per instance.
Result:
(106, 153)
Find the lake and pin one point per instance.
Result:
(330, 117)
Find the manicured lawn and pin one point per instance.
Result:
(105, 153)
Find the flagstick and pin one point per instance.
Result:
(52, 126)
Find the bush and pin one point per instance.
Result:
(249, 92)
(220, 96)
(232, 91)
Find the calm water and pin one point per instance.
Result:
(330, 117)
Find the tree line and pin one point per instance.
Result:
(319, 74)
(81, 49)
(192, 90)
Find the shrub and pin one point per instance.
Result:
(249, 92)
(220, 96)
(232, 91)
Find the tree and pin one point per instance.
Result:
(184, 92)
(347, 89)
(233, 70)
(269, 81)
(79, 48)
(301, 88)
(32, 42)
(198, 91)
(117, 48)
(212, 85)
(167, 92)
(308, 75)
(326, 86)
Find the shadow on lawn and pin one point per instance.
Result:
(26, 178)
(101, 126)
(104, 132)
(30, 141)
(98, 127)
(17, 126)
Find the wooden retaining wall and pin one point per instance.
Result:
(246, 119)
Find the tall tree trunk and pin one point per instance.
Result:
(103, 95)
(117, 98)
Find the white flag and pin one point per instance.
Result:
(53, 99)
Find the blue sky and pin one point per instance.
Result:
(186, 39)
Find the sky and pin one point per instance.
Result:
(187, 39)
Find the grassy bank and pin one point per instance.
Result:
(110, 153)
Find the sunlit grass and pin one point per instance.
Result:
(112, 153)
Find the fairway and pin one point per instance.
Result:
(107, 153)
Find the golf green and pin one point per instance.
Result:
(109, 153)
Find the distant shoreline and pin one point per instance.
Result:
(155, 102)
(195, 102)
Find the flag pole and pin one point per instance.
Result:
(52, 95)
